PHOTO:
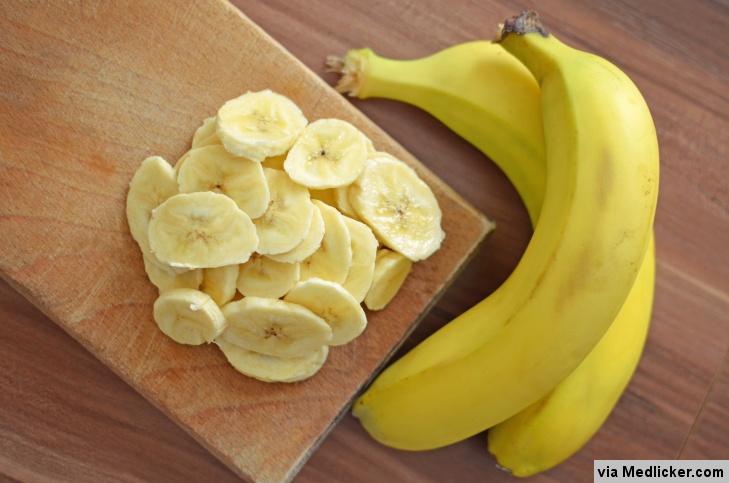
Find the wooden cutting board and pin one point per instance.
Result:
(91, 89)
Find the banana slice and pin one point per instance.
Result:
(263, 277)
(164, 280)
(212, 168)
(269, 368)
(188, 316)
(364, 252)
(152, 184)
(334, 304)
(310, 243)
(258, 125)
(331, 261)
(275, 327)
(220, 283)
(401, 209)
(201, 230)
(288, 217)
(341, 201)
(205, 134)
(329, 153)
(391, 270)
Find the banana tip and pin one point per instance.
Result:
(526, 22)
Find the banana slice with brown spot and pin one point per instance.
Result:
(212, 168)
(327, 154)
(275, 327)
(401, 209)
(259, 125)
(201, 230)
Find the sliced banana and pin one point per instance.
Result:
(212, 168)
(329, 153)
(188, 316)
(220, 283)
(272, 369)
(258, 125)
(364, 252)
(275, 327)
(391, 270)
(164, 280)
(288, 217)
(205, 134)
(334, 304)
(263, 277)
(152, 184)
(310, 243)
(201, 230)
(331, 261)
(401, 209)
(341, 201)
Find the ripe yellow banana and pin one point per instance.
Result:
(461, 86)
(580, 265)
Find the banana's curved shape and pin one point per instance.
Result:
(440, 392)
(477, 89)
(558, 425)
(461, 85)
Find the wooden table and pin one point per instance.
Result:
(64, 416)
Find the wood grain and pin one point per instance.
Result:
(65, 416)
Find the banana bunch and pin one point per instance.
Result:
(542, 361)
(269, 234)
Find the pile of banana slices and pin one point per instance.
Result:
(271, 232)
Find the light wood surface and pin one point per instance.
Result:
(66, 416)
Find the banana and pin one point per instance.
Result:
(152, 184)
(475, 88)
(269, 368)
(164, 280)
(188, 316)
(474, 84)
(201, 230)
(310, 243)
(558, 425)
(212, 168)
(391, 270)
(287, 219)
(258, 125)
(364, 253)
(597, 127)
(398, 206)
(205, 134)
(329, 153)
(262, 276)
(220, 283)
(334, 304)
(332, 260)
(275, 327)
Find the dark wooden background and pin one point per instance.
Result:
(65, 417)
